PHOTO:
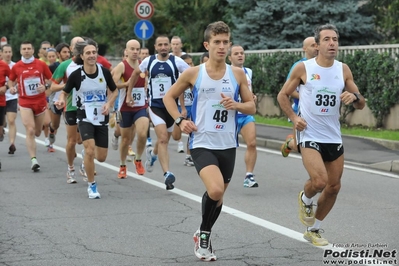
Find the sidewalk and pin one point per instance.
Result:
(362, 151)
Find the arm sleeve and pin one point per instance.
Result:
(181, 64)
(60, 71)
(108, 78)
(143, 66)
(13, 74)
(74, 81)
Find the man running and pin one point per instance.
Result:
(323, 84)
(246, 123)
(33, 76)
(11, 102)
(91, 83)
(132, 116)
(213, 130)
(163, 70)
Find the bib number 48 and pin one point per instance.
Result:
(220, 116)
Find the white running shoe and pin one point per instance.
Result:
(202, 246)
(180, 147)
(114, 142)
(71, 176)
(93, 192)
(35, 165)
(249, 181)
(148, 143)
(150, 160)
(189, 161)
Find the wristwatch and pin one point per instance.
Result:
(357, 95)
(179, 120)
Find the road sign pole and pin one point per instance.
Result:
(144, 29)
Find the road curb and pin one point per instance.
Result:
(388, 166)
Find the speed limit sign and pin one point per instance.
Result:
(144, 9)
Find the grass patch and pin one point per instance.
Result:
(346, 130)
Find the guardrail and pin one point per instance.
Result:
(393, 49)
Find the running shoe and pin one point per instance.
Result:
(131, 152)
(180, 147)
(169, 180)
(50, 148)
(82, 172)
(150, 159)
(250, 182)
(114, 142)
(35, 165)
(12, 149)
(306, 214)
(188, 161)
(202, 246)
(285, 149)
(122, 172)
(148, 143)
(93, 192)
(139, 167)
(315, 238)
(71, 176)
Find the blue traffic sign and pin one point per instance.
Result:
(144, 29)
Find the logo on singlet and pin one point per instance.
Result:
(315, 77)
(209, 90)
(324, 110)
(225, 81)
(228, 89)
(220, 127)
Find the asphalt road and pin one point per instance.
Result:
(45, 221)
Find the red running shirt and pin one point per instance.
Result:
(4, 72)
(29, 77)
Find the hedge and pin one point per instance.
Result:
(376, 75)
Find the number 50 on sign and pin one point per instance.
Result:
(144, 9)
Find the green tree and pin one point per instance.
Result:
(386, 18)
(272, 24)
(78, 4)
(189, 18)
(109, 22)
(33, 21)
(7, 20)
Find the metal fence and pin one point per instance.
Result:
(392, 49)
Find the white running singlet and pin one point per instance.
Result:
(320, 102)
(217, 127)
(93, 96)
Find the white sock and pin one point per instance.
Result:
(306, 200)
(316, 226)
(249, 173)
